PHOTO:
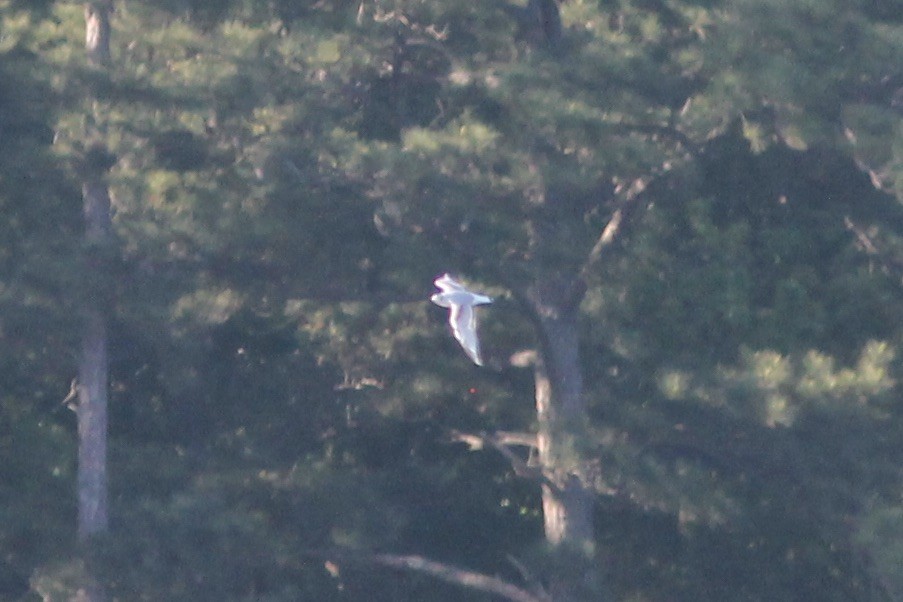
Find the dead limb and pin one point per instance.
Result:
(498, 442)
(440, 570)
(71, 399)
(868, 244)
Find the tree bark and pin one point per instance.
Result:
(92, 427)
(560, 411)
(93, 371)
(567, 499)
(93, 376)
(97, 32)
(94, 364)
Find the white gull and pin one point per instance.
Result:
(461, 316)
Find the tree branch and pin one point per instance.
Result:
(868, 244)
(616, 224)
(71, 399)
(500, 442)
(446, 572)
(498, 437)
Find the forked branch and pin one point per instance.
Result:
(500, 443)
(440, 570)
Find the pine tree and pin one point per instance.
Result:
(666, 202)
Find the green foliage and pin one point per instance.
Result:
(289, 177)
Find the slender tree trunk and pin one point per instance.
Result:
(92, 427)
(93, 372)
(93, 369)
(93, 378)
(93, 366)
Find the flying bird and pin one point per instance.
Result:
(461, 316)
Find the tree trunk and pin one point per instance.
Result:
(93, 376)
(92, 427)
(561, 412)
(93, 371)
(567, 500)
(93, 365)
(97, 32)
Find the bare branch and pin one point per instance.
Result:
(864, 240)
(71, 399)
(459, 576)
(516, 438)
(498, 438)
(868, 244)
(474, 442)
(446, 572)
(521, 468)
(621, 215)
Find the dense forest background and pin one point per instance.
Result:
(688, 213)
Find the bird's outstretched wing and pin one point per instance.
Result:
(464, 327)
(447, 284)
